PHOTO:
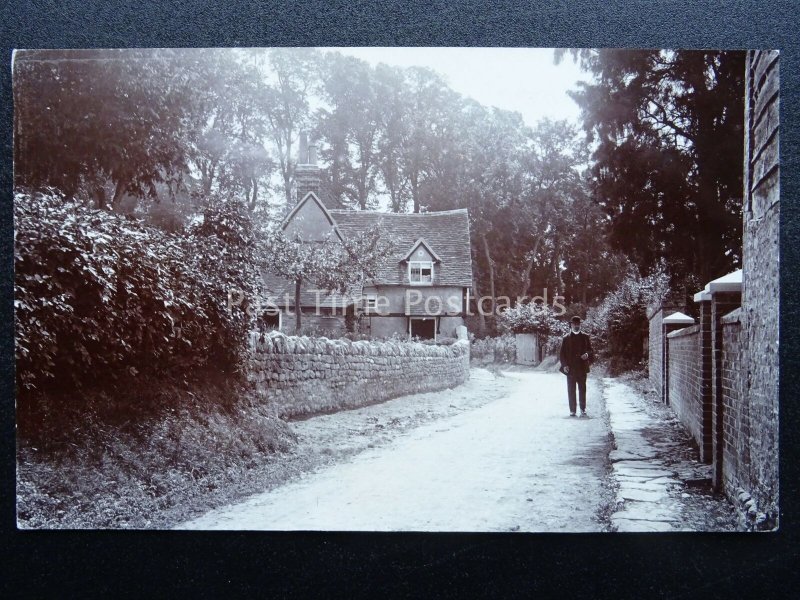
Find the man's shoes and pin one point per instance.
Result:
(572, 414)
(583, 413)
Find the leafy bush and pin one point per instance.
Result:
(494, 349)
(98, 296)
(619, 322)
(538, 319)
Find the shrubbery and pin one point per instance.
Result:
(619, 323)
(99, 295)
(537, 319)
(495, 349)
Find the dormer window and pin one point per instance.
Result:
(420, 271)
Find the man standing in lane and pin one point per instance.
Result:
(576, 355)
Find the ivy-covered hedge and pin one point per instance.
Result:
(99, 295)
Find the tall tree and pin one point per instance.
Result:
(115, 121)
(292, 75)
(349, 126)
(667, 125)
(394, 114)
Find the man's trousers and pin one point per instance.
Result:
(580, 381)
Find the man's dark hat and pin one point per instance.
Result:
(575, 319)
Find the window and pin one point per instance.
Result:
(420, 271)
(371, 303)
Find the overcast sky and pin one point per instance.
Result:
(519, 79)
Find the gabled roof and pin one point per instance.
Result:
(421, 241)
(446, 231)
(309, 197)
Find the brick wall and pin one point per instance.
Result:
(655, 352)
(722, 304)
(684, 379)
(300, 375)
(758, 483)
(736, 452)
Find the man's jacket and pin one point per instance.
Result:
(572, 347)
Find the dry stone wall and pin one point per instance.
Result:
(300, 376)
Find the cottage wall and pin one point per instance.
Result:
(301, 376)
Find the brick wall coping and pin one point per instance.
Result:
(678, 318)
(653, 309)
(732, 282)
(685, 331)
(733, 317)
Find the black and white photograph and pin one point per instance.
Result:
(397, 289)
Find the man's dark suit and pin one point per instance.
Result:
(573, 346)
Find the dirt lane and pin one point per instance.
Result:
(518, 463)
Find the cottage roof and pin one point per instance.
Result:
(446, 233)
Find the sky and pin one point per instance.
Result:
(524, 80)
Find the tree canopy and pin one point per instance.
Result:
(666, 126)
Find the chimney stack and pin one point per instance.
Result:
(306, 173)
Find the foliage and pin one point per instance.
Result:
(532, 317)
(669, 145)
(92, 117)
(98, 295)
(619, 323)
(146, 455)
(495, 349)
(335, 264)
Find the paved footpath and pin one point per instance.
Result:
(518, 463)
(654, 466)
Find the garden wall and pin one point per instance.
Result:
(736, 415)
(302, 376)
(684, 380)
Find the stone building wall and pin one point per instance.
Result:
(302, 376)
(684, 379)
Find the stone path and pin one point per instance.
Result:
(652, 469)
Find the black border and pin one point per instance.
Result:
(67, 564)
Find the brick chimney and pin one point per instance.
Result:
(306, 174)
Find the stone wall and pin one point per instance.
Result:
(684, 379)
(761, 290)
(302, 376)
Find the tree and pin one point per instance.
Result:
(118, 119)
(334, 264)
(291, 76)
(230, 152)
(349, 127)
(394, 115)
(668, 131)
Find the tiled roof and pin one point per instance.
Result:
(447, 233)
(280, 291)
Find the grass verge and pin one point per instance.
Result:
(141, 456)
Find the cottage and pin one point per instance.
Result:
(422, 290)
